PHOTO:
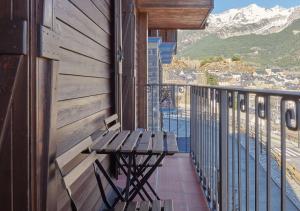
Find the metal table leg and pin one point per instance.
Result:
(147, 176)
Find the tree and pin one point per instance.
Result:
(211, 79)
(236, 58)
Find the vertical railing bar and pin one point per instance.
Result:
(233, 147)
(212, 149)
(256, 155)
(223, 159)
(185, 116)
(210, 144)
(247, 99)
(202, 135)
(152, 106)
(189, 89)
(227, 146)
(177, 106)
(195, 116)
(192, 122)
(239, 151)
(170, 91)
(283, 156)
(218, 139)
(161, 120)
(215, 152)
(268, 116)
(206, 139)
(197, 123)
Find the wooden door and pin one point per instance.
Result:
(17, 120)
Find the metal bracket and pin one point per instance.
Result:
(13, 37)
(48, 43)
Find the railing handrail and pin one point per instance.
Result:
(273, 92)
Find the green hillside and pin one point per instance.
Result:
(274, 50)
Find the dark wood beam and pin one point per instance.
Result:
(142, 70)
(176, 14)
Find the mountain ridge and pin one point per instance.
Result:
(244, 21)
(279, 48)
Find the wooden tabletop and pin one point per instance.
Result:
(137, 142)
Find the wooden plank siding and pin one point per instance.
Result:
(84, 86)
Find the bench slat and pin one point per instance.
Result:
(156, 205)
(145, 206)
(132, 206)
(131, 141)
(145, 143)
(168, 205)
(110, 119)
(116, 126)
(73, 152)
(158, 142)
(120, 206)
(171, 143)
(118, 141)
(75, 173)
(104, 141)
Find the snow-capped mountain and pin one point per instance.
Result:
(252, 19)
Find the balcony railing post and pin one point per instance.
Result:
(223, 143)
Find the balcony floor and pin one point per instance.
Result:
(177, 180)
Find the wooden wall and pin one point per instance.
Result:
(84, 83)
(57, 85)
(84, 92)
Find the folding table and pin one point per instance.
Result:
(136, 149)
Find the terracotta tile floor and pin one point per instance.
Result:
(177, 180)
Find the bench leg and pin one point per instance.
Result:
(107, 177)
(101, 188)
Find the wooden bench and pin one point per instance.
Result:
(157, 205)
(71, 173)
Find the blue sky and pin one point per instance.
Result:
(222, 5)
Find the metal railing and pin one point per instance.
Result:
(168, 109)
(244, 142)
(245, 146)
